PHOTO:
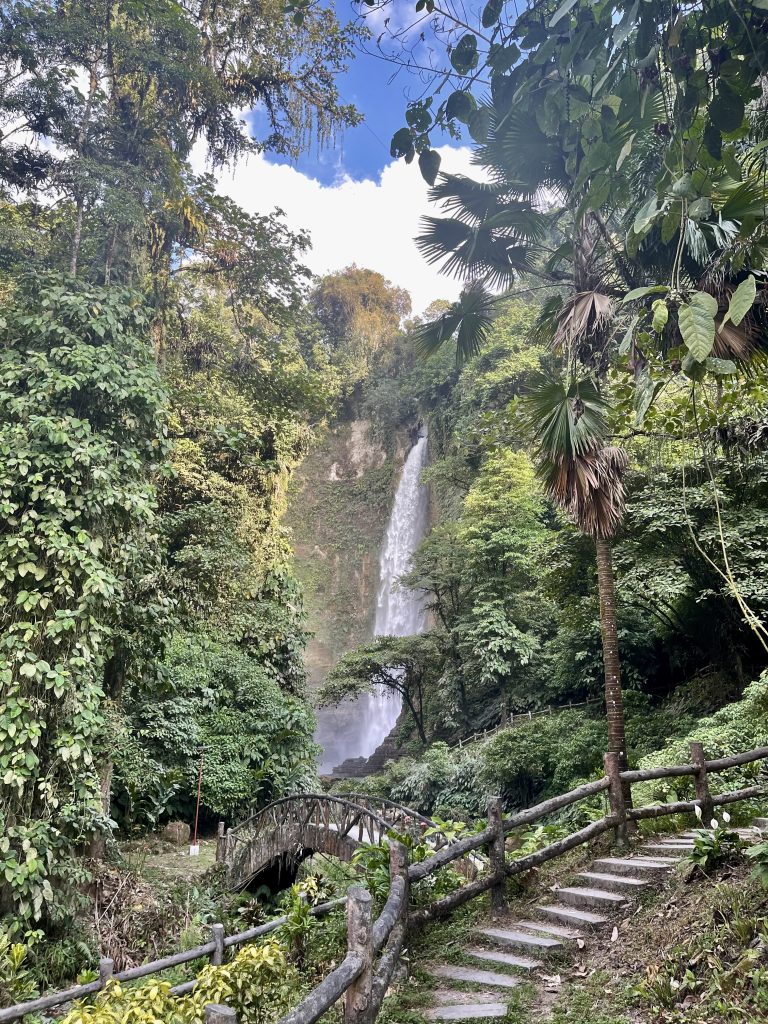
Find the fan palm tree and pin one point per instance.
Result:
(584, 476)
(495, 231)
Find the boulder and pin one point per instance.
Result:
(176, 832)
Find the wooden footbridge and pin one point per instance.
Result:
(286, 832)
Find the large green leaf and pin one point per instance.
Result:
(464, 56)
(660, 315)
(721, 367)
(492, 12)
(696, 320)
(640, 293)
(561, 11)
(429, 165)
(645, 390)
(742, 301)
(479, 124)
(726, 111)
(461, 105)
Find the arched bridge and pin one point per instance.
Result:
(270, 845)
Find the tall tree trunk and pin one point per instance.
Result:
(616, 735)
(77, 235)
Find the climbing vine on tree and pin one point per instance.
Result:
(81, 428)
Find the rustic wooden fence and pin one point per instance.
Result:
(513, 719)
(373, 947)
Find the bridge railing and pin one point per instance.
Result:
(373, 947)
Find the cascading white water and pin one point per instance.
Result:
(399, 612)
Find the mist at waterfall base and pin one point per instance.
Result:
(399, 612)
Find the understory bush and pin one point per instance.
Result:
(719, 971)
(259, 985)
(736, 727)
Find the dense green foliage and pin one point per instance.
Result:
(512, 587)
(166, 362)
(82, 435)
(161, 375)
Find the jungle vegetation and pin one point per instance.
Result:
(596, 403)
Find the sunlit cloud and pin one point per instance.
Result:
(371, 222)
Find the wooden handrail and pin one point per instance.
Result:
(154, 967)
(521, 717)
(357, 974)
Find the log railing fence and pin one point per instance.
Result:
(511, 719)
(374, 946)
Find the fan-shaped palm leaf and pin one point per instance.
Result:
(582, 473)
(590, 488)
(564, 419)
(583, 317)
(466, 199)
(468, 320)
(567, 423)
(478, 252)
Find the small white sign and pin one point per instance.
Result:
(194, 850)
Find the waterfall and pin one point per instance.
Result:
(399, 612)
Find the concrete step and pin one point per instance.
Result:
(761, 823)
(495, 956)
(583, 918)
(631, 865)
(618, 883)
(467, 1011)
(454, 997)
(474, 975)
(679, 842)
(525, 941)
(669, 853)
(557, 930)
(584, 897)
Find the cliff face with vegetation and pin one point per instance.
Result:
(339, 505)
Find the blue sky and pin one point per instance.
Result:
(363, 151)
(358, 204)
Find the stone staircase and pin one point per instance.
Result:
(511, 950)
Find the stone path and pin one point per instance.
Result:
(507, 952)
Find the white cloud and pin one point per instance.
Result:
(371, 223)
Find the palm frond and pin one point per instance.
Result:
(564, 419)
(547, 319)
(590, 488)
(518, 151)
(476, 253)
(464, 198)
(583, 317)
(567, 424)
(441, 236)
(468, 320)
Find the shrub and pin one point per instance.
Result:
(259, 985)
(740, 726)
(16, 982)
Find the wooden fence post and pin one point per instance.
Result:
(616, 797)
(220, 842)
(217, 936)
(106, 970)
(701, 782)
(498, 861)
(398, 868)
(217, 1013)
(357, 1001)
